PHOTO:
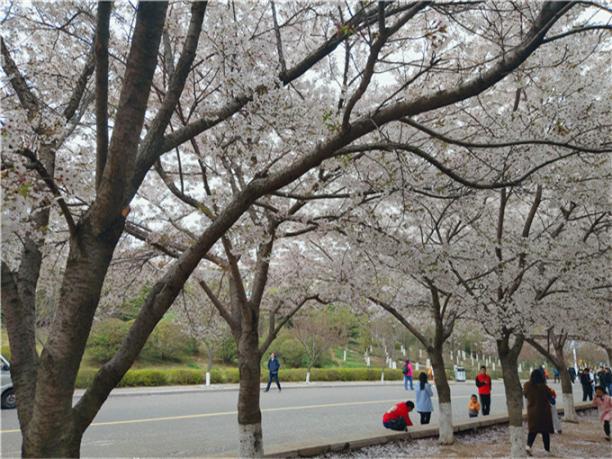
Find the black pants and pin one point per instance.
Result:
(273, 377)
(396, 424)
(587, 392)
(531, 436)
(607, 428)
(425, 416)
(485, 401)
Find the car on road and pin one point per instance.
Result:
(8, 392)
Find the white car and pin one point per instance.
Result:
(8, 392)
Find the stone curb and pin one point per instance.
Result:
(414, 434)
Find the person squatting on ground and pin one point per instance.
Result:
(483, 382)
(473, 406)
(423, 394)
(407, 371)
(273, 367)
(397, 417)
(539, 415)
(603, 403)
(587, 385)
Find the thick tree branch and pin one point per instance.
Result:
(26, 97)
(101, 64)
(147, 153)
(114, 190)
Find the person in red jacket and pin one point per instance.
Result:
(483, 382)
(397, 417)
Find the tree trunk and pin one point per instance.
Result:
(446, 435)
(514, 396)
(52, 430)
(249, 414)
(569, 411)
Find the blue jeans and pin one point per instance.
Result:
(273, 377)
(406, 379)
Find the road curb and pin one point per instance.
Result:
(414, 434)
(200, 389)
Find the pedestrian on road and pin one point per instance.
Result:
(483, 382)
(572, 374)
(407, 371)
(587, 385)
(539, 416)
(424, 393)
(273, 367)
(603, 403)
(556, 374)
(601, 377)
(397, 417)
(473, 406)
(608, 381)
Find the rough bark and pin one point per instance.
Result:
(569, 412)
(508, 355)
(446, 435)
(249, 413)
(53, 430)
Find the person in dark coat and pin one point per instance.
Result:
(273, 367)
(539, 415)
(587, 385)
(572, 374)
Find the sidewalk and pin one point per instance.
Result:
(168, 390)
(414, 433)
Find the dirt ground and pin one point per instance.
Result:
(584, 440)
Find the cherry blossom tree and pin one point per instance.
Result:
(147, 101)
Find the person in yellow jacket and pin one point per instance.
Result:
(473, 406)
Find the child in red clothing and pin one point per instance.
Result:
(397, 417)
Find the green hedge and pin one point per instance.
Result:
(171, 377)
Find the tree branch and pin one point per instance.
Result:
(390, 309)
(489, 145)
(101, 64)
(50, 182)
(218, 305)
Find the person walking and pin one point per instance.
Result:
(539, 416)
(273, 367)
(483, 382)
(424, 393)
(609, 380)
(556, 374)
(603, 403)
(407, 371)
(587, 385)
(397, 417)
(572, 374)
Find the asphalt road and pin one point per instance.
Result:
(204, 423)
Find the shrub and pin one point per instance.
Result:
(135, 378)
(292, 353)
(167, 342)
(228, 352)
(105, 339)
